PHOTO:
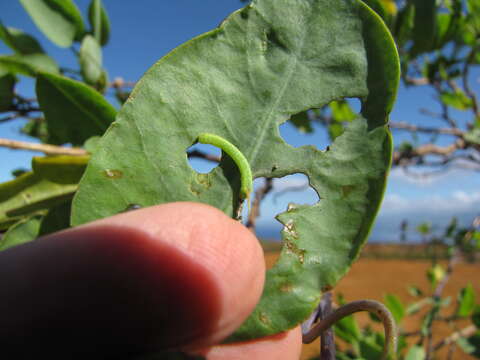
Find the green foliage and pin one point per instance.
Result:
(394, 304)
(7, 83)
(457, 99)
(415, 353)
(91, 60)
(19, 41)
(29, 65)
(99, 22)
(53, 180)
(466, 301)
(59, 20)
(63, 99)
(23, 231)
(432, 307)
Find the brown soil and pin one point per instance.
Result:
(373, 278)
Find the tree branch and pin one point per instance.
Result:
(404, 157)
(260, 194)
(431, 130)
(201, 155)
(44, 148)
(465, 332)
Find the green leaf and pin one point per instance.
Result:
(466, 301)
(59, 20)
(99, 21)
(465, 345)
(19, 41)
(91, 145)
(22, 232)
(394, 304)
(265, 63)
(74, 112)
(370, 349)
(474, 341)
(29, 65)
(476, 316)
(63, 169)
(341, 111)
(417, 306)
(457, 100)
(7, 85)
(404, 24)
(424, 228)
(386, 9)
(415, 291)
(53, 180)
(57, 218)
(36, 128)
(416, 352)
(424, 25)
(91, 60)
(348, 330)
(435, 274)
(335, 130)
(302, 122)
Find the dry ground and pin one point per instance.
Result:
(373, 278)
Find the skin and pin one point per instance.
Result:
(123, 287)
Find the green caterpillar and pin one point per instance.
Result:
(239, 159)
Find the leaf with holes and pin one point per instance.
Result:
(266, 62)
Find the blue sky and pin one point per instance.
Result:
(144, 31)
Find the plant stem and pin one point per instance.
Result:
(327, 338)
(372, 306)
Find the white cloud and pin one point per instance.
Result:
(416, 178)
(456, 202)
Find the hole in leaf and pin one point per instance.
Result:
(203, 158)
(291, 189)
(319, 127)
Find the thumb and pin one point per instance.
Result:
(161, 277)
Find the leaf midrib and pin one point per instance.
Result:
(268, 118)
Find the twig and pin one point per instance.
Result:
(437, 294)
(431, 130)
(327, 339)
(465, 332)
(202, 155)
(44, 148)
(260, 194)
(9, 117)
(401, 158)
(417, 81)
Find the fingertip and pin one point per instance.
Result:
(283, 346)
